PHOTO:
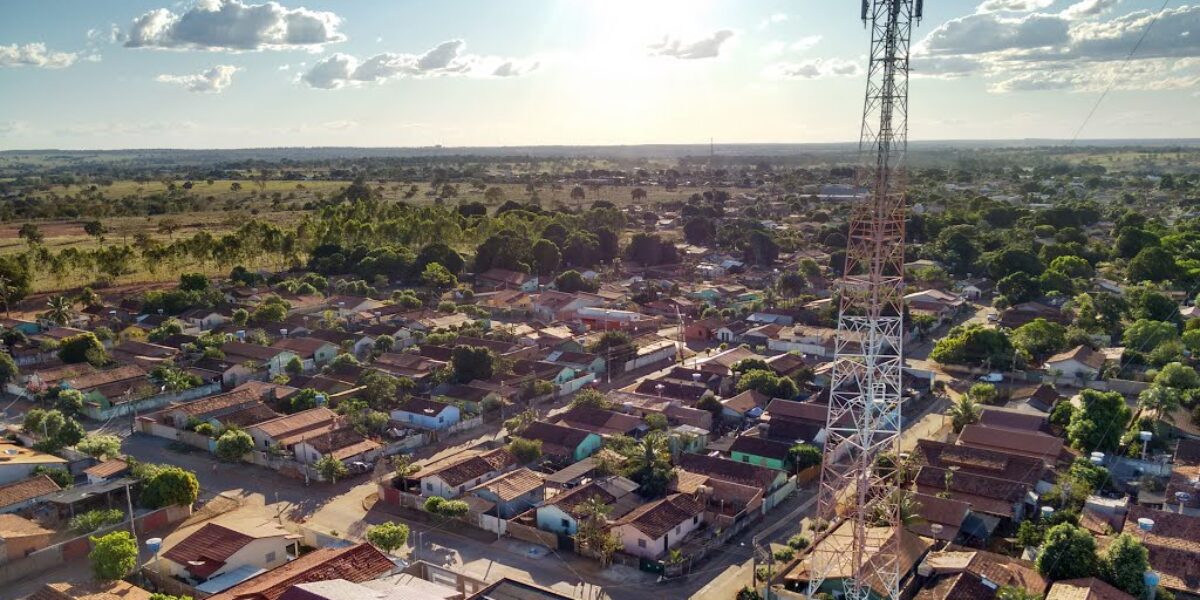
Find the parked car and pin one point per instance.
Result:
(992, 378)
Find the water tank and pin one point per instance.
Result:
(1145, 524)
(283, 332)
(1145, 435)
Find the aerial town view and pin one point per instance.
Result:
(600, 300)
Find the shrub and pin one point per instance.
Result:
(95, 519)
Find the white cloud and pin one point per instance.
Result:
(1145, 75)
(707, 47)
(447, 58)
(35, 54)
(233, 25)
(213, 81)
(773, 19)
(777, 48)
(988, 32)
(106, 35)
(815, 68)
(1088, 8)
(1013, 5)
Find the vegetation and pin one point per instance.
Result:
(233, 445)
(330, 468)
(525, 450)
(100, 446)
(95, 519)
(113, 556)
(1068, 552)
(389, 537)
(165, 485)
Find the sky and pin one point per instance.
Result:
(80, 74)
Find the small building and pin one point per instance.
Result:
(600, 421)
(653, 529)
(427, 414)
(312, 352)
(20, 537)
(17, 463)
(19, 495)
(1088, 588)
(1079, 363)
(561, 513)
(513, 493)
(504, 279)
(561, 442)
(215, 549)
(452, 479)
(760, 452)
(108, 470)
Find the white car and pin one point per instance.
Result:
(992, 378)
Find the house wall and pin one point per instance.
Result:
(17, 548)
(551, 518)
(588, 446)
(754, 459)
(435, 486)
(16, 472)
(106, 411)
(443, 420)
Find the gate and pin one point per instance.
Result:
(566, 542)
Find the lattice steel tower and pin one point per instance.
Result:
(857, 498)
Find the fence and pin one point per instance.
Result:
(465, 425)
(533, 535)
(120, 410)
(79, 547)
(575, 385)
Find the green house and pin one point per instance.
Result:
(760, 452)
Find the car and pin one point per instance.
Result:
(992, 378)
(992, 316)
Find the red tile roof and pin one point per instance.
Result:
(205, 551)
(657, 518)
(356, 564)
(26, 489)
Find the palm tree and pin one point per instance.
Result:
(1161, 400)
(6, 290)
(650, 467)
(963, 412)
(60, 309)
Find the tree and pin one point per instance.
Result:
(546, 257)
(8, 368)
(1040, 338)
(100, 446)
(963, 412)
(1144, 335)
(525, 450)
(1152, 264)
(520, 421)
(983, 393)
(379, 390)
(1124, 563)
(590, 397)
(1177, 376)
(1069, 552)
(233, 445)
(59, 310)
(31, 234)
(699, 231)
(113, 556)
(656, 421)
(803, 456)
(69, 401)
(974, 345)
(240, 317)
(1099, 424)
(389, 537)
(1160, 400)
(472, 362)
(446, 508)
(572, 281)
(330, 468)
(83, 347)
(437, 277)
(169, 486)
(57, 430)
(1019, 287)
(1012, 592)
(768, 383)
(650, 465)
(62, 477)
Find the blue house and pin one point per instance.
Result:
(562, 512)
(426, 414)
(562, 443)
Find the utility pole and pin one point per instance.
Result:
(866, 389)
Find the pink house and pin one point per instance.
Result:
(653, 529)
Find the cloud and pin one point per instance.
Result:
(779, 47)
(36, 55)
(107, 35)
(212, 81)
(988, 32)
(945, 67)
(1146, 75)
(773, 19)
(1088, 8)
(1013, 5)
(708, 47)
(446, 59)
(233, 25)
(815, 68)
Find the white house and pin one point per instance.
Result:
(451, 480)
(1080, 362)
(216, 549)
(653, 529)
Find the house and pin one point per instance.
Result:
(1013, 419)
(312, 352)
(652, 529)
(1043, 397)
(976, 289)
(958, 572)
(1079, 363)
(505, 589)
(600, 421)
(608, 319)
(356, 564)
(746, 405)
(551, 306)
(284, 432)
(1034, 444)
(788, 420)
(202, 319)
(452, 479)
(911, 549)
(702, 330)
(759, 451)
(1174, 546)
(769, 481)
(1016, 316)
(413, 366)
(940, 518)
(214, 549)
(561, 513)
(347, 306)
(808, 341)
(562, 442)
(503, 279)
(732, 332)
(513, 492)
(580, 362)
(506, 301)
(213, 408)
(19, 495)
(140, 353)
(1088, 588)
(344, 444)
(90, 590)
(472, 396)
(18, 462)
(426, 414)
(108, 470)
(939, 304)
(274, 360)
(1000, 498)
(20, 537)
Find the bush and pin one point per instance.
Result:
(798, 542)
(784, 554)
(95, 519)
(113, 556)
(525, 450)
(168, 485)
(233, 445)
(388, 536)
(62, 477)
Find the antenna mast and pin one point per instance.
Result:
(859, 500)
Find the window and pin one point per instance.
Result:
(695, 519)
(270, 557)
(641, 543)
(566, 524)
(429, 485)
(678, 528)
(745, 458)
